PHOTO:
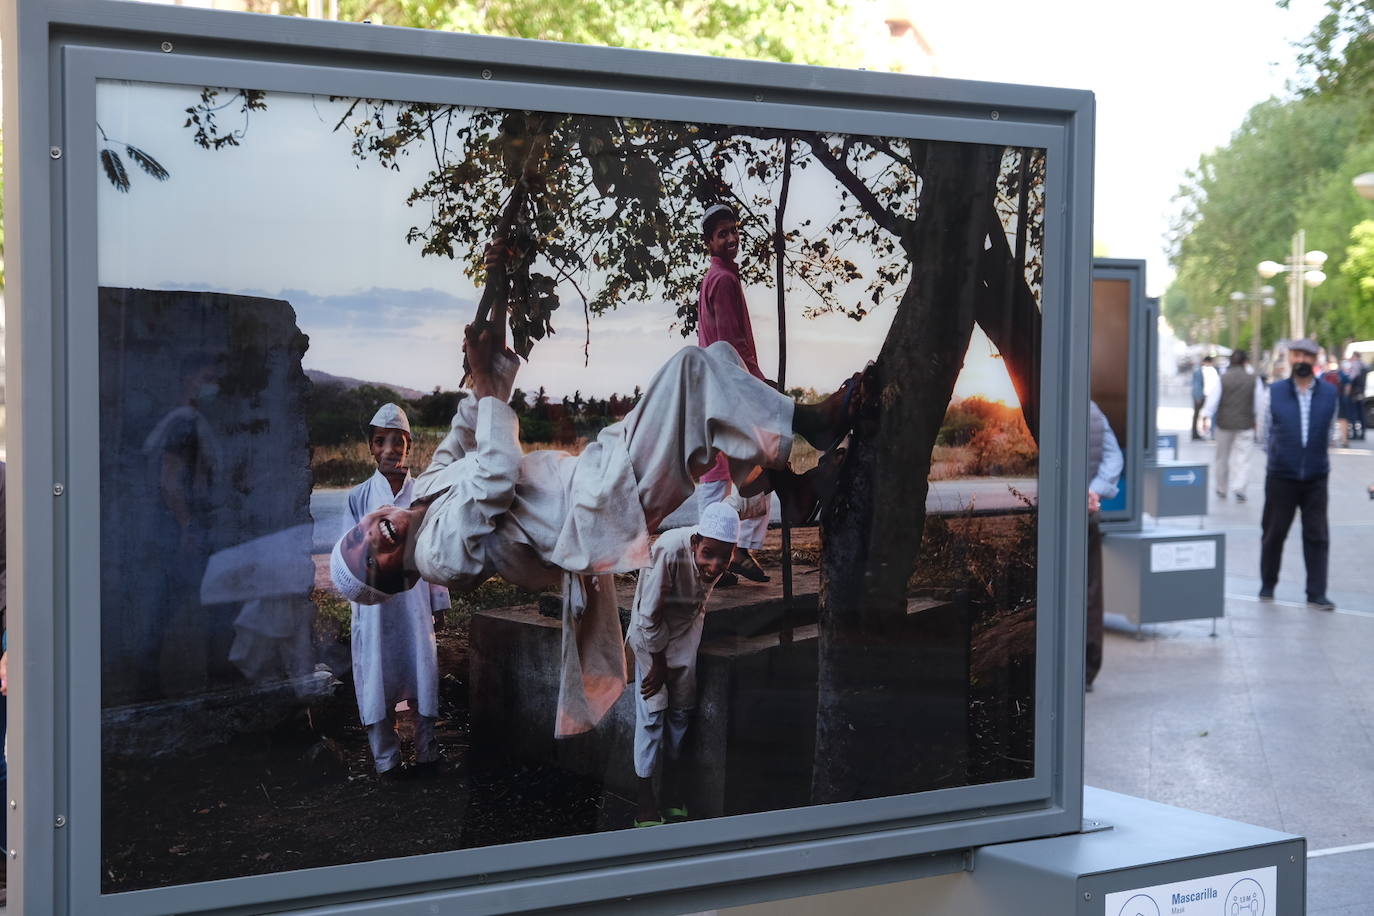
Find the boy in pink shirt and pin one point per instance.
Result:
(722, 314)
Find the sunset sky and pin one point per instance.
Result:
(291, 214)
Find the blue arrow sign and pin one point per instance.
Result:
(1186, 478)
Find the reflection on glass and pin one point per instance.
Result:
(374, 585)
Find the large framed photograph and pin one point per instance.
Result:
(499, 476)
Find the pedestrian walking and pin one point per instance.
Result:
(1233, 408)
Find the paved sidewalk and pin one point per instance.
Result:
(1271, 722)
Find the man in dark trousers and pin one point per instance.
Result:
(1105, 463)
(1297, 431)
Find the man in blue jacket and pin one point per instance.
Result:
(1298, 428)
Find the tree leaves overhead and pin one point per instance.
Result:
(147, 163)
(1287, 167)
(617, 212)
(114, 169)
(792, 31)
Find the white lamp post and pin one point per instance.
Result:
(1262, 296)
(1303, 270)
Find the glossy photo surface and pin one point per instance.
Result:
(677, 471)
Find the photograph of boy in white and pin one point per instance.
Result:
(723, 314)
(483, 508)
(394, 653)
(665, 632)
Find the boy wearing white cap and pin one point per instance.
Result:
(665, 632)
(394, 654)
(723, 314)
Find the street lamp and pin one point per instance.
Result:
(1303, 270)
(1262, 296)
(1364, 185)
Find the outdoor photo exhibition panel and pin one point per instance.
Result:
(257, 255)
(1120, 385)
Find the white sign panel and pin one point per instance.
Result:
(1177, 556)
(1241, 893)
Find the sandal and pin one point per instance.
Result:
(657, 823)
(678, 814)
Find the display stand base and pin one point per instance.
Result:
(1133, 858)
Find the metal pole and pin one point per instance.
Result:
(1295, 278)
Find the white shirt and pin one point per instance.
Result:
(394, 652)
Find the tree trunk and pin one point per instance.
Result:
(870, 715)
(1014, 330)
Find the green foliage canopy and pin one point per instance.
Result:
(792, 31)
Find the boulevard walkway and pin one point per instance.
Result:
(1272, 721)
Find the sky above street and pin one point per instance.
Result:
(1173, 79)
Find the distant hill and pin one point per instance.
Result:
(325, 378)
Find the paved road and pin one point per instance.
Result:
(1272, 721)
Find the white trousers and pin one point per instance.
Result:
(386, 744)
(1231, 469)
(656, 731)
(702, 402)
(751, 530)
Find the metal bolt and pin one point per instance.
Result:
(1087, 895)
(486, 74)
(58, 489)
(758, 97)
(61, 821)
(14, 853)
(996, 114)
(1292, 858)
(166, 46)
(55, 152)
(14, 805)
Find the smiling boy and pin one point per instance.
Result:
(665, 632)
(723, 314)
(394, 653)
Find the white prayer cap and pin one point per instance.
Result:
(349, 585)
(389, 416)
(711, 212)
(719, 521)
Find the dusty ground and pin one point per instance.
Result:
(305, 795)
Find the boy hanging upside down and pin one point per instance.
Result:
(483, 508)
(665, 632)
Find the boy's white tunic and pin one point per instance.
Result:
(669, 613)
(394, 654)
(549, 518)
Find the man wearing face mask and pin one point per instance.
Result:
(1298, 425)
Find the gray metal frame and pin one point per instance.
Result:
(1140, 443)
(54, 53)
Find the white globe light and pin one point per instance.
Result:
(1269, 300)
(1238, 296)
(1266, 290)
(1364, 185)
(1315, 257)
(1268, 269)
(1314, 278)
